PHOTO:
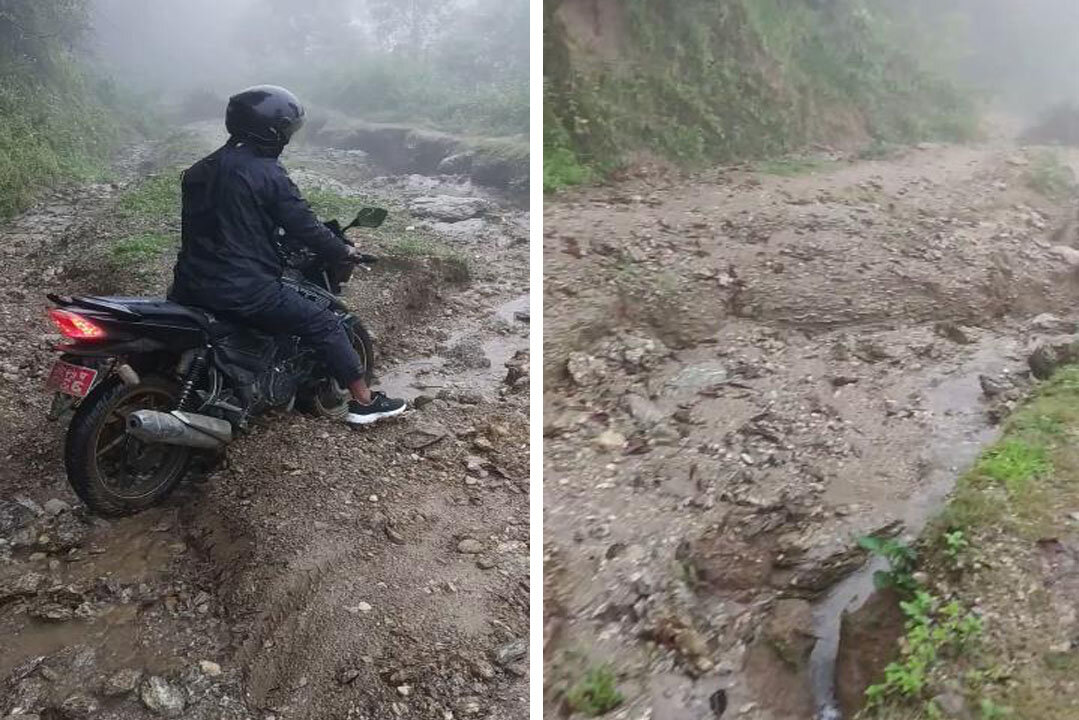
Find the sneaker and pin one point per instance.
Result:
(380, 407)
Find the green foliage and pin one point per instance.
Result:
(703, 81)
(595, 694)
(1013, 463)
(955, 543)
(59, 122)
(561, 166)
(989, 710)
(329, 205)
(934, 630)
(902, 559)
(1050, 177)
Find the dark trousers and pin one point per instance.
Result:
(288, 313)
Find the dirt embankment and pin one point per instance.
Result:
(756, 369)
(401, 149)
(321, 572)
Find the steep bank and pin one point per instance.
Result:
(62, 120)
(699, 82)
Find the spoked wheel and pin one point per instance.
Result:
(111, 471)
(329, 399)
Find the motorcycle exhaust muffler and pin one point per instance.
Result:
(179, 428)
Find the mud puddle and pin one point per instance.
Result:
(959, 431)
(472, 356)
(122, 576)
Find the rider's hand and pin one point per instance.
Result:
(353, 253)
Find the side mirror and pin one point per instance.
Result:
(369, 217)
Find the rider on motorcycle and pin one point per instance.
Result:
(234, 201)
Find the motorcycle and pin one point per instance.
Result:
(155, 386)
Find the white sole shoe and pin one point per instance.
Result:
(369, 418)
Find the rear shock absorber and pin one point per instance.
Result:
(194, 374)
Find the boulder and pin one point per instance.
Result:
(161, 697)
(868, 642)
(447, 208)
(1049, 356)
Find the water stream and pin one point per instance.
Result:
(960, 431)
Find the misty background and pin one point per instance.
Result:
(454, 65)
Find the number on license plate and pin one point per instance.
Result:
(70, 379)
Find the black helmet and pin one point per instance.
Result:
(265, 114)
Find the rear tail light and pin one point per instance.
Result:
(76, 327)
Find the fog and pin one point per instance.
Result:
(456, 64)
(1025, 53)
(1022, 55)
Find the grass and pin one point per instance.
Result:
(156, 197)
(134, 250)
(984, 550)
(1050, 177)
(400, 238)
(594, 694)
(792, 166)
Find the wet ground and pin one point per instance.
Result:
(323, 572)
(757, 370)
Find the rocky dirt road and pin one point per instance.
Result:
(745, 373)
(322, 573)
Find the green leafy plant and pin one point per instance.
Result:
(901, 563)
(595, 694)
(934, 629)
(955, 542)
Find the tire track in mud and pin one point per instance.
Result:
(279, 543)
(791, 365)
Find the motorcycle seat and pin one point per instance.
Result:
(160, 309)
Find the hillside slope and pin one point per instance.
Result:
(711, 81)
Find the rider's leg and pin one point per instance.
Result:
(290, 313)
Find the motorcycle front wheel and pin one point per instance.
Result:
(328, 398)
(112, 472)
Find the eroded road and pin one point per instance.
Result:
(754, 370)
(323, 573)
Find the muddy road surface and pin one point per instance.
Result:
(321, 572)
(748, 371)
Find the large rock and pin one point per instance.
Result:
(789, 631)
(1049, 356)
(868, 642)
(161, 697)
(777, 663)
(1068, 254)
(448, 208)
(726, 563)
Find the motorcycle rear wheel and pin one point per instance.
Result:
(112, 472)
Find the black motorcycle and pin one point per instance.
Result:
(156, 386)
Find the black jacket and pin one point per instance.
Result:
(234, 200)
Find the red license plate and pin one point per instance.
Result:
(71, 379)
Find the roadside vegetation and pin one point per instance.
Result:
(988, 589)
(61, 120)
(702, 82)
